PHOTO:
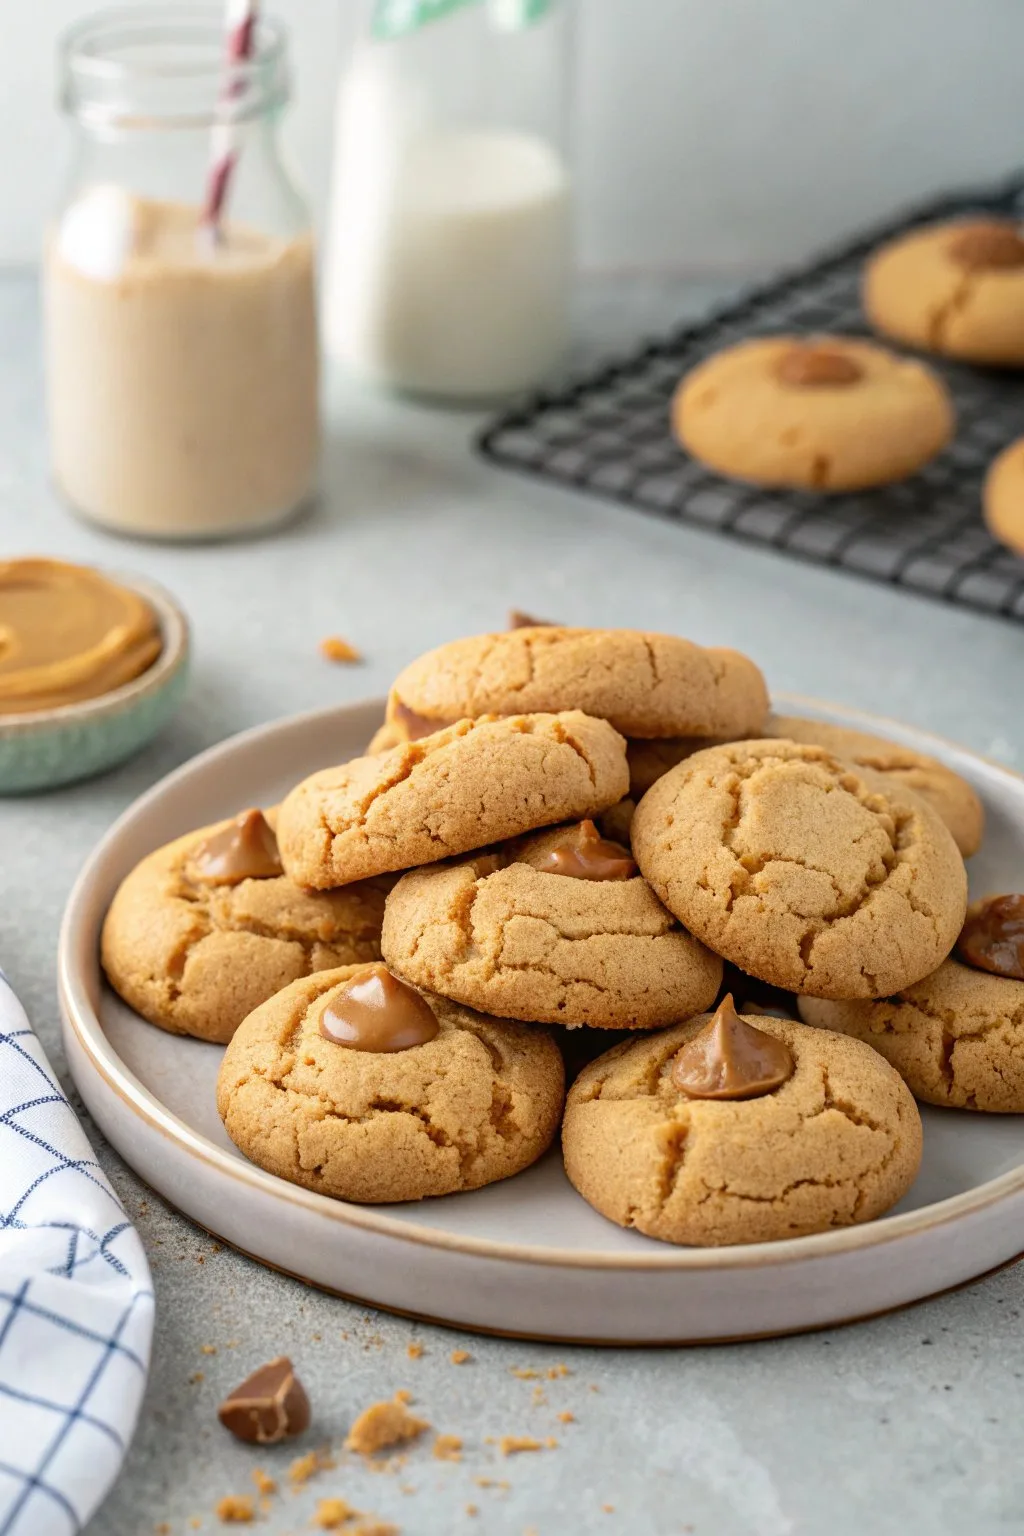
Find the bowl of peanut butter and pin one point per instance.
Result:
(91, 668)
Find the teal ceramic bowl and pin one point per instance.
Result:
(59, 746)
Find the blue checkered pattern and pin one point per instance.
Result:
(76, 1302)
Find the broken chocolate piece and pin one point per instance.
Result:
(268, 1406)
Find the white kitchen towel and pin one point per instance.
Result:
(76, 1302)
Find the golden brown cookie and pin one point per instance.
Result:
(644, 684)
(838, 1142)
(952, 288)
(477, 1102)
(945, 791)
(475, 783)
(504, 934)
(827, 413)
(956, 1038)
(1003, 497)
(801, 870)
(194, 952)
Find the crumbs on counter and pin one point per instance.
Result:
(265, 1484)
(236, 1509)
(460, 1356)
(554, 1372)
(513, 1445)
(414, 1351)
(331, 1514)
(472, 1509)
(524, 1372)
(334, 648)
(304, 1467)
(382, 1425)
(448, 1448)
(565, 1417)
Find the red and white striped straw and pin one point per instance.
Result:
(240, 33)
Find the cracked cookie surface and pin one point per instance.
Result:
(946, 792)
(734, 413)
(195, 958)
(546, 948)
(477, 1103)
(838, 1143)
(803, 871)
(956, 1038)
(475, 783)
(646, 685)
(917, 292)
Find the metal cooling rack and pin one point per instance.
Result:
(609, 433)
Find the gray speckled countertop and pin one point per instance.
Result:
(910, 1423)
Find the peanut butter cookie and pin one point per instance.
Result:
(352, 1084)
(516, 935)
(953, 288)
(706, 1134)
(1003, 497)
(208, 927)
(945, 791)
(459, 789)
(645, 685)
(957, 1037)
(803, 871)
(826, 413)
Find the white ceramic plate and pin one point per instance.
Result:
(526, 1256)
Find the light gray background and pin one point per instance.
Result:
(735, 133)
(908, 1424)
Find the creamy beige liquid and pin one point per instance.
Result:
(182, 381)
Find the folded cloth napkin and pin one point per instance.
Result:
(76, 1302)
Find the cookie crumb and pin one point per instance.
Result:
(553, 1372)
(236, 1509)
(594, 1387)
(540, 1397)
(207, 1349)
(492, 1482)
(163, 1529)
(264, 1482)
(550, 1443)
(460, 1356)
(195, 1524)
(448, 1448)
(472, 1509)
(334, 648)
(414, 1351)
(512, 1445)
(609, 1509)
(377, 1528)
(524, 1373)
(332, 1513)
(196, 1378)
(304, 1467)
(383, 1425)
(565, 1417)
(403, 1396)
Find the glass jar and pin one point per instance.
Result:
(182, 366)
(449, 251)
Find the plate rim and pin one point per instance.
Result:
(86, 1026)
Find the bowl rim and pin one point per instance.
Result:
(175, 633)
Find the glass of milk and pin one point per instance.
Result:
(182, 356)
(450, 232)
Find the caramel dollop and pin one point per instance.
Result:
(815, 365)
(377, 1012)
(413, 726)
(989, 245)
(246, 849)
(585, 855)
(730, 1059)
(992, 938)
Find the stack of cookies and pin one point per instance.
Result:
(575, 835)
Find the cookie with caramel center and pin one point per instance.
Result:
(209, 926)
(829, 413)
(953, 288)
(396, 1111)
(509, 934)
(832, 1137)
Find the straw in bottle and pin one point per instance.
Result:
(240, 32)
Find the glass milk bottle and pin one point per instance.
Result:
(449, 249)
(182, 349)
